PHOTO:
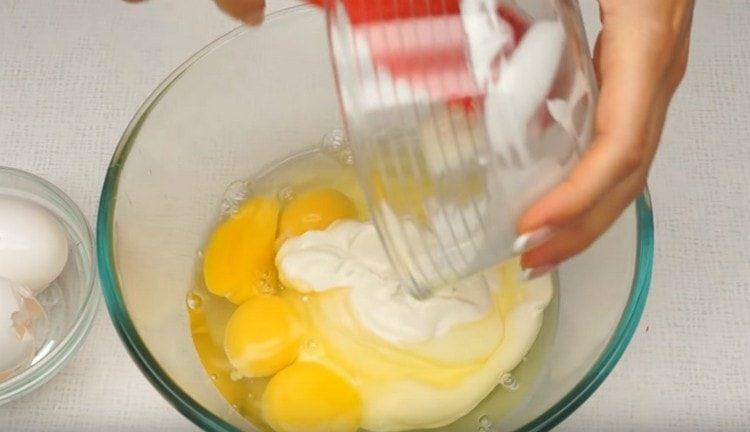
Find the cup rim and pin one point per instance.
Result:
(54, 361)
(202, 417)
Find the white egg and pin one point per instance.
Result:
(17, 313)
(33, 244)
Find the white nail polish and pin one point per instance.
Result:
(531, 239)
(533, 273)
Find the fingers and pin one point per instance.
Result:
(637, 76)
(571, 239)
(249, 11)
(628, 94)
(598, 55)
(579, 235)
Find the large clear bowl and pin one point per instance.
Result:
(258, 95)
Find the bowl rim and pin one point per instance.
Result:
(54, 361)
(203, 418)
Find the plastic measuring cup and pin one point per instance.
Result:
(460, 114)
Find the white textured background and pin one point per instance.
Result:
(73, 72)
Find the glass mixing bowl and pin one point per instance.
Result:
(262, 94)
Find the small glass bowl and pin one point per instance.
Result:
(71, 301)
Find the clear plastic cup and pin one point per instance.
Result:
(460, 113)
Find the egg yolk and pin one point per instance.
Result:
(239, 259)
(308, 397)
(262, 336)
(315, 209)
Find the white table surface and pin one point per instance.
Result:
(72, 73)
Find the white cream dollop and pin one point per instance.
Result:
(349, 254)
(418, 363)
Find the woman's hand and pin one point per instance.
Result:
(640, 58)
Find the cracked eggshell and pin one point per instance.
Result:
(18, 343)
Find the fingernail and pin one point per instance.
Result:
(533, 273)
(531, 239)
